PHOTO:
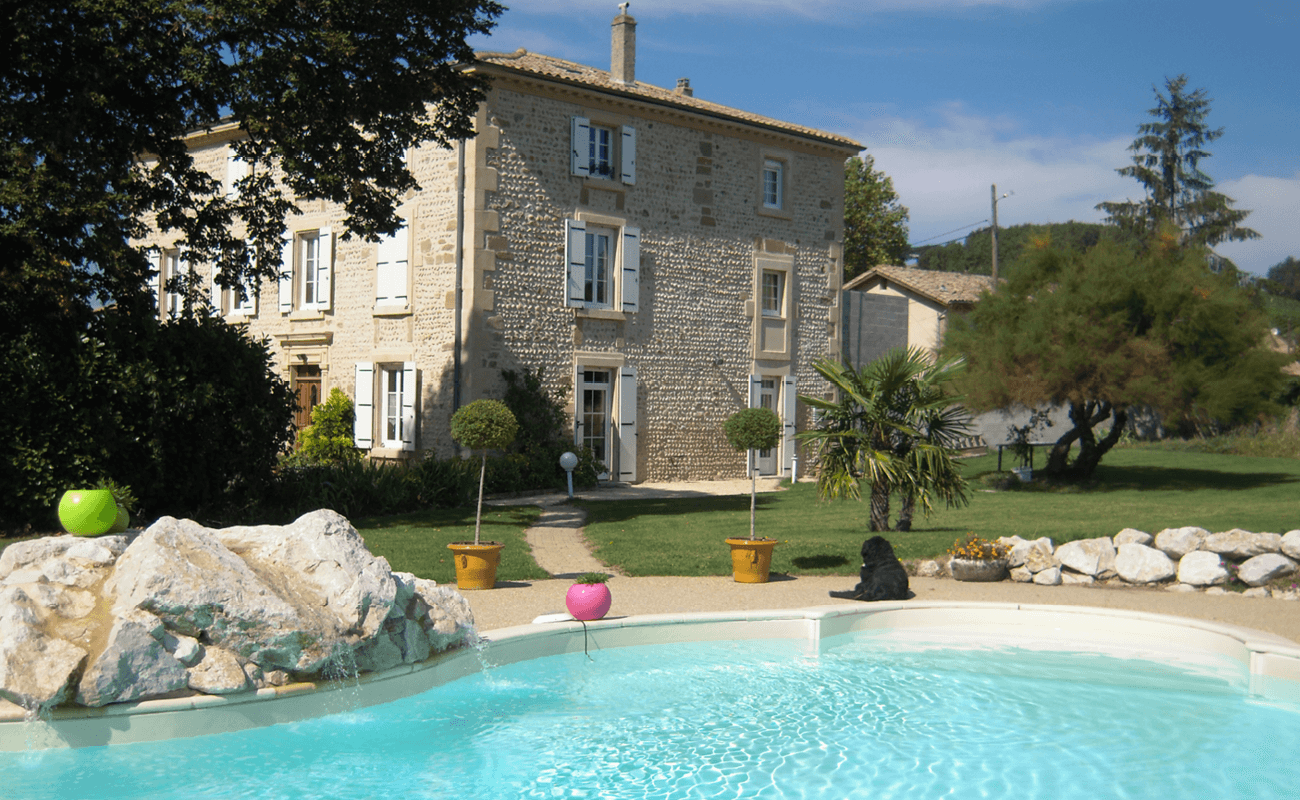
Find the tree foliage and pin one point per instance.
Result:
(875, 223)
(95, 99)
(893, 425)
(974, 253)
(1115, 327)
(753, 429)
(1166, 160)
(1284, 278)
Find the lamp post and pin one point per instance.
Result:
(568, 461)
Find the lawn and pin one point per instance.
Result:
(1136, 487)
(417, 542)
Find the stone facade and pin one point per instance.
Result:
(677, 337)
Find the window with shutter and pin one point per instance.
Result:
(391, 263)
(603, 266)
(363, 426)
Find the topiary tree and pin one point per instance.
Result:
(753, 429)
(483, 425)
(328, 439)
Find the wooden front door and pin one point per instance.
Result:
(306, 383)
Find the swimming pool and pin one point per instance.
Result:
(741, 707)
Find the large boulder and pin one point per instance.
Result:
(1137, 563)
(1178, 542)
(1133, 536)
(1263, 568)
(1202, 568)
(1092, 557)
(1238, 545)
(182, 608)
(1291, 544)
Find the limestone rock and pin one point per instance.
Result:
(1132, 536)
(325, 559)
(1181, 587)
(1237, 544)
(1291, 544)
(1257, 591)
(1137, 563)
(1091, 557)
(219, 672)
(1178, 542)
(134, 664)
(449, 619)
(180, 572)
(1069, 578)
(379, 653)
(1217, 590)
(1261, 569)
(1048, 577)
(1038, 555)
(1021, 574)
(928, 569)
(35, 669)
(1202, 568)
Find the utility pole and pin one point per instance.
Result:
(994, 194)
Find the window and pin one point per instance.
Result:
(605, 418)
(773, 183)
(604, 266)
(773, 293)
(306, 262)
(236, 169)
(603, 151)
(391, 269)
(397, 393)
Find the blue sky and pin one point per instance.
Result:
(1041, 97)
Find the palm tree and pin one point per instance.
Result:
(893, 425)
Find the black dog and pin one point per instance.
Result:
(883, 576)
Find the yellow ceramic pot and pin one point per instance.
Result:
(751, 559)
(476, 564)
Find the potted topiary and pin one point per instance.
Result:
(976, 559)
(589, 598)
(481, 425)
(752, 429)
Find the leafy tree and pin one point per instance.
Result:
(1284, 278)
(752, 429)
(893, 425)
(875, 224)
(1166, 161)
(328, 439)
(974, 254)
(95, 99)
(1115, 327)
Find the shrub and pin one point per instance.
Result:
(328, 439)
(484, 425)
(753, 429)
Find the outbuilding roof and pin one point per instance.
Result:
(946, 288)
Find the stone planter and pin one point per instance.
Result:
(476, 564)
(1024, 474)
(966, 569)
(751, 559)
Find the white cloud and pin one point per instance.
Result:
(1275, 213)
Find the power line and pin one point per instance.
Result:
(954, 230)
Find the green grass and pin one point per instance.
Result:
(417, 542)
(1141, 488)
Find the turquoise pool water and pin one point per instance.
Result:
(866, 717)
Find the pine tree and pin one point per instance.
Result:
(1166, 161)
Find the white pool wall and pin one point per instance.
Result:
(1271, 662)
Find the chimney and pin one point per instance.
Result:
(622, 56)
(684, 87)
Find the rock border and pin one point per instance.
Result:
(1186, 559)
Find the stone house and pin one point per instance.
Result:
(665, 261)
(889, 307)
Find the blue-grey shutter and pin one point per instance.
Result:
(363, 426)
(577, 405)
(575, 259)
(391, 267)
(627, 427)
(631, 268)
(580, 139)
(628, 156)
